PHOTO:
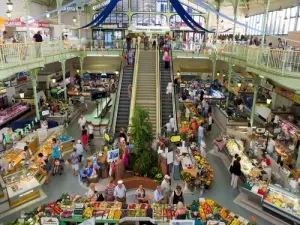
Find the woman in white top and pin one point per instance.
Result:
(169, 90)
(92, 192)
(177, 161)
(271, 146)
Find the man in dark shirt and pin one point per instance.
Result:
(122, 134)
(38, 38)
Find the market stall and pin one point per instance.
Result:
(196, 171)
(10, 114)
(76, 209)
(229, 118)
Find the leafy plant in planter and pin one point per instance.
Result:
(153, 172)
(141, 129)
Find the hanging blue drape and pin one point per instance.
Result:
(181, 11)
(104, 14)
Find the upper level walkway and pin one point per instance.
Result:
(282, 66)
(19, 57)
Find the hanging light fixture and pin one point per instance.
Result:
(218, 73)
(47, 15)
(9, 5)
(239, 84)
(8, 14)
(178, 73)
(116, 72)
(74, 19)
(53, 80)
(280, 8)
(269, 101)
(77, 71)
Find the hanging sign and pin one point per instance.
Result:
(106, 136)
(101, 5)
(285, 93)
(71, 9)
(21, 22)
(112, 155)
(49, 221)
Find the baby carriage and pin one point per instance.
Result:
(58, 166)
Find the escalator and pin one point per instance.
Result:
(166, 104)
(123, 110)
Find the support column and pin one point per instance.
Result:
(255, 90)
(26, 15)
(218, 18)
(33, 76)
(59, 4)
(63, 69)
(229, 82)
(214, 64)
(79, 23)
(235, 7)
(81, 60)
(265, 20)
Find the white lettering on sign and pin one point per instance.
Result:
(101, 5)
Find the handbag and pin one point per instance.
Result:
(100, 198)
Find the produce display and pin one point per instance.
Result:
(236, 147)
(77, 93)
(209, 211)
(284, 201)
(191, 108)
(67, 209)
(11, 113)
(201, 175)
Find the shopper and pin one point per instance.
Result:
(166, 188)
(232, 161)
(140, 195)
(130, 57)
(55, 150)
(249, 129)
(209, 123)
(84, 137)
(139, 40)
(203, 149)
(120, 192)
(158, 196)
(236, 172)
(128, 43)
(172, 122)
(122, 134)
(79, 150)
(82, 103)
(91, 132)
(125, 59)
(169, 90)
(92, 192)
(74, 161)
(181, 212)
(168, 128)
(167, 62)
(265, 162)
(275, 121)
(26, 155)
(200, 134)
(109, 191)
(129, 91)
(125, 155)
(176, 165)
(271, 145)
(44, 166)
(38, 39)
(177, 196)
(81, 122)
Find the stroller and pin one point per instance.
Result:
(58, 166)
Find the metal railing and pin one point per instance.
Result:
(134, 83)
(174, 91)
(15, 54)
(158, 100)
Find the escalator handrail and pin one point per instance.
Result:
(134, 84)
(173, 92)
(158, 97)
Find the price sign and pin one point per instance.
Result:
(106, 137)
(49, 221)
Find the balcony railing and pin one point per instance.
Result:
(285, 62)
(23, 53)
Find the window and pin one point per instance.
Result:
(147, 19)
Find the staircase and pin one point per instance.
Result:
(146, 84)
(166, 104)
(124, 101)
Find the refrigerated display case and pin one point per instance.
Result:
(283, 203)
(13, 112)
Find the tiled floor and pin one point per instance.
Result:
(220, 189)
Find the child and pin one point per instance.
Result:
(56, 166)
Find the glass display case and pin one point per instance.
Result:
(21, 186)
(11, 113)
(283, 203)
